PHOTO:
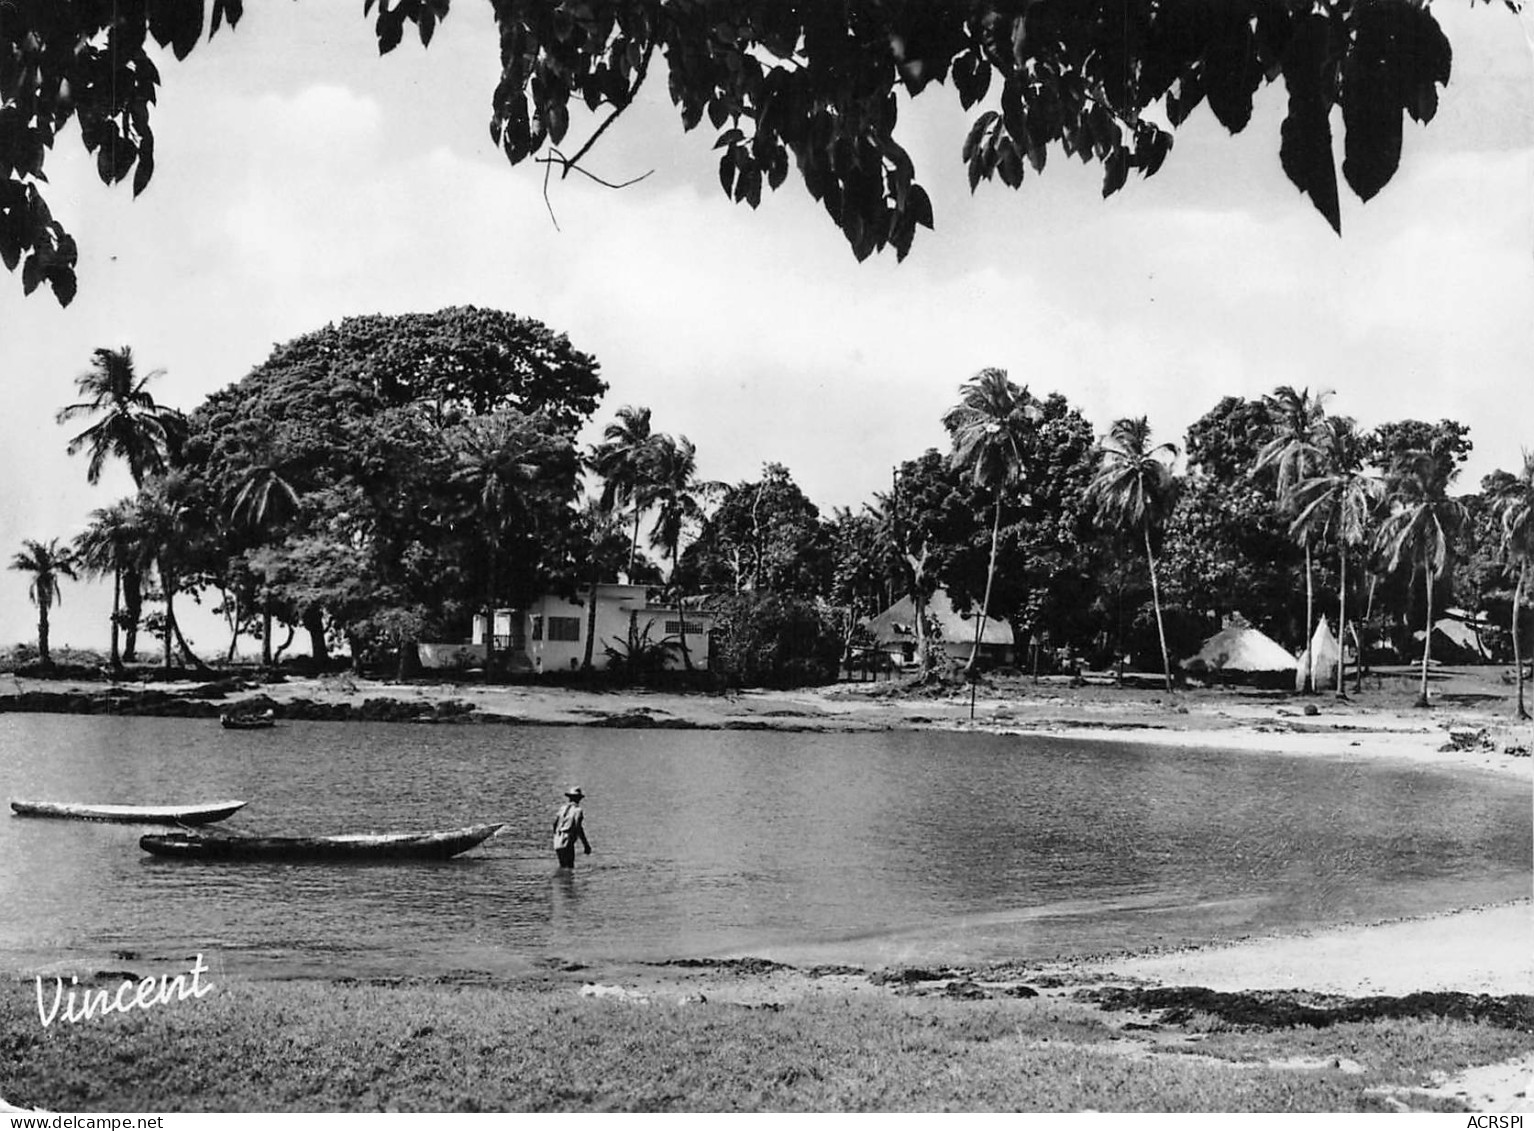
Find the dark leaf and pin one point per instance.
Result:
(230, 11)
(919, 206)
(176, 24)
(976, 132)
(1231, 74)
(1305, 147)
(1115, 171)
(62, 280)
(31, 273)
(1009, 164)
(390, 28)
(145, 168)
(777, 168)
(727, 174)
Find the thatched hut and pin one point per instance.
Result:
(1239, 653)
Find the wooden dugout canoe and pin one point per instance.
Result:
(210, 845)
(129, 814)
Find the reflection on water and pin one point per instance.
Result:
(862, 848)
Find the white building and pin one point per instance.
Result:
(550, 634)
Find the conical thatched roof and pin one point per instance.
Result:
(1240, 649)
(897, 624)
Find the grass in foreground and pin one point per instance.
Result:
(323, 1046)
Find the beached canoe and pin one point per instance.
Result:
(354, 847)
(247, 722)
(129, 814)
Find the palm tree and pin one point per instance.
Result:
(990, 426)
(499, 461)
(49, 564)
(671, 469)
(131, 427)
(162, 513)
(112, 543)
(1420, 529)
(623, 460)
(1341, 498)
(262, 500)
(1296, 418)
(605, 546)
(1513, 503)
(1133, 491)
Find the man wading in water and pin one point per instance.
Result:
(569, 827)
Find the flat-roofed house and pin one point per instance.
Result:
(549, 635)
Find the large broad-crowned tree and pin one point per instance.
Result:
(817, 87)
(365, 424)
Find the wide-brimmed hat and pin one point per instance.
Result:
(575, 792)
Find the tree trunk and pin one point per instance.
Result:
(187, 654)
(1150, 558)
(44, 659)
(170, 620)
(283, 647)
(133, 604)
(1342, 622)
(1427, 636)
(634, 543)
(681, 614)
(314, 625)
(117, 589)
(266, 636)
(234, 629)
(1523, 575)
(1310, 619)
(923, 645)
(591, 624)
(990, 573)
(490, 619)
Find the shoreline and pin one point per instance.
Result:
(1462, 733)
(1476, 738)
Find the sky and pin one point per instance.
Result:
(301, 178)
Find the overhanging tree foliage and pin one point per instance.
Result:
(815, 85)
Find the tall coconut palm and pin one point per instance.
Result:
(990, 427)
(1420, 530)
(1295, 450)
(261, 501)
(112, 544)
(131, 425)
(675, 493)
(1133, 492)
(1341, 498)
(623, 460)
(499, 463)
(606, 546)
(1514, 505)
(49, 564)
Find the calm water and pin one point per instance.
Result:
(869, 849)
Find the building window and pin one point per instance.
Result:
(565, 628)
(674, 628)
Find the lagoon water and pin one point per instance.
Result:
(868, 849)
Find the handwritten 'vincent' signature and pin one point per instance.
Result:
(82, 1004)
